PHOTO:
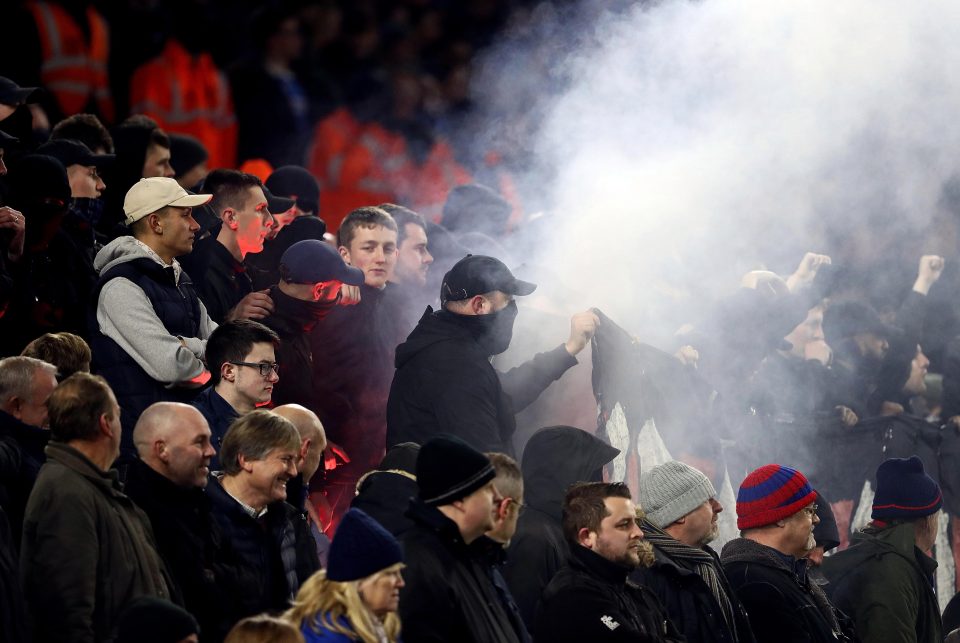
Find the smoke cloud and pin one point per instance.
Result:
(680, 144)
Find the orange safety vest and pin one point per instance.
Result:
(374, 169)
(72, 70)
(331, 138)
(189, 95)
(431, 182)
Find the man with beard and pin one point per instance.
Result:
(681, 520)
(444, 381)
(591, 599)
(766, 566)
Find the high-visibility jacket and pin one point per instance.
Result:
(73, 70)
(375, 168)
(188, 94)
(331, 138)
(429, 183)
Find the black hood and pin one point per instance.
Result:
(433, 327)
(555, 458)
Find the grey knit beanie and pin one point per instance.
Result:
(671, 491)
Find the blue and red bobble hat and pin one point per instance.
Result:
(771, 493)
(904, 490)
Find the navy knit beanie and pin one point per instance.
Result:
(154, 620)
(361, 548)
(905, 491)
(449, 469)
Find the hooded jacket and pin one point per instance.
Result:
(148, 329)
(87, 551)
(445, 383)
(885, 583)
(591, 600)
(554, 458)
(448, 594)
(784, 604)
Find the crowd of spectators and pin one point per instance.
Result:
(253, 273)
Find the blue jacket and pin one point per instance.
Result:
(219, 415)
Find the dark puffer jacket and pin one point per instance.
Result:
(448, 595)
(591, 600)
(554, 458)
(445, 384)
(784, 604)
(885, 584)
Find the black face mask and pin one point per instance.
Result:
(87, 210)
(306, 313)
(493, 331)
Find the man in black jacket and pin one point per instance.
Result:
(271, 540)
(448, 595)
(591, 599)
(444, 381)
(681, 519)
(353, 351)
(554, 458)
(767, 568)
(167, 482)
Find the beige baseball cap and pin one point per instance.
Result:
(149, 195)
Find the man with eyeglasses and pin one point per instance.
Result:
(767, 565)
(241, 356)
(492, 546)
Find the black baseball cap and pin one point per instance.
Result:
(312, 261)
(71, 152)
(13, 94)
(277, 204)
(477, 274)
(297, 183)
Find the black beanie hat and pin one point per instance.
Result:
(153, 620)
(475, 207)
(449, 469)
(905, 491)
(361, 548)
(186, 153)
(826, 532)
(36, 177)
(294, 182)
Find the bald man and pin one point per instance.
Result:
(167, 481)
(313, 440)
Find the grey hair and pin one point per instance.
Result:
(16, 376)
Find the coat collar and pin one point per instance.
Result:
(596, 565)
(66, 455)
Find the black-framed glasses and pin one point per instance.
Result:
(263, 368)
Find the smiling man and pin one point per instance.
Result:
(266, 535)
(681, 509)
(167, 482)
(149, 328)
(241, 356)
(766, 566)
(590, 598)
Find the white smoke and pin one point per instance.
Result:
(692, 141)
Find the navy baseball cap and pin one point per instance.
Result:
(477, 274)
(70, 152)
(13, 94)
(313, 261)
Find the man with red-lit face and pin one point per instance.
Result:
(217, 263)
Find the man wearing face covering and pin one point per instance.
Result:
(444, 382)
